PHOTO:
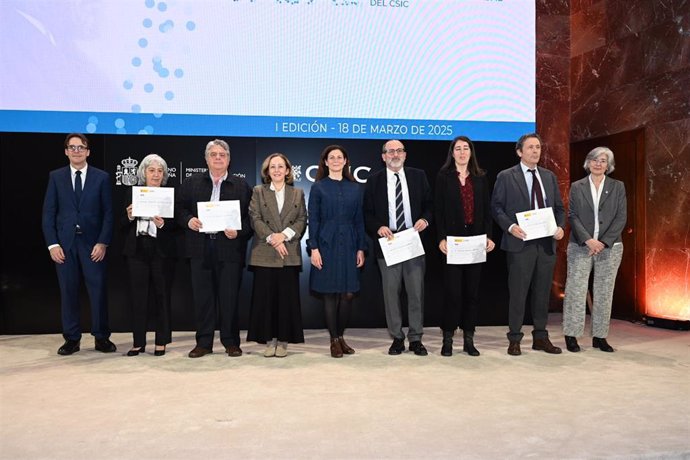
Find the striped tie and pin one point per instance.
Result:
(399, 211)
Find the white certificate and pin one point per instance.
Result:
(153, 201)
(216, 216)
(403, 246)
(466, 249)
(537, 223)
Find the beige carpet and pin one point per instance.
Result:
(629, 404)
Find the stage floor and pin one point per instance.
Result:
(633, 403)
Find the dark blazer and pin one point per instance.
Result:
(511, 196)
(612, 211)
(165, 236)
(265, 219)
(449, 212)
(62, 213)
(198, 187)
(376, 201)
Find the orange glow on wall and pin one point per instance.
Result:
(669, 298)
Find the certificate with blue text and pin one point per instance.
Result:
(216, 216)
(464, 250)
(537, 223)
(153, 201)
(402, 246)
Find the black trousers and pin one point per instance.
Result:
(215, 288)
(149, 273)
(462, 297)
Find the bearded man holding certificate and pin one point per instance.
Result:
(521, 188)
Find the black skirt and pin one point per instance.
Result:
(276, 310)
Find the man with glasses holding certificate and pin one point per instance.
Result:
(396, 199)
(519, 190)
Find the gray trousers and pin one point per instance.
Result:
(412, 272)
(580, 265)
(530, 271)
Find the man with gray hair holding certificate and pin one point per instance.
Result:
(525, 187)
(217, 257)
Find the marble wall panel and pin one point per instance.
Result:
(627, 17)
(667, 46)
(588, 29)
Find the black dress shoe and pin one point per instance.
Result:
(105, 346)
(447, 347)
(198, 352)
(135, 352)
(602, 344)
(571, 344)
(233, 351)
(157, 352)
(69, 347)
(397, 347)
(418, 348)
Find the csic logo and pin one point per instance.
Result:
(360, 173)
(297, 172)
(126, 173)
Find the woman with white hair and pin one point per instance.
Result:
(597, 217)
(149, 244)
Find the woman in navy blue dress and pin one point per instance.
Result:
(336, 241)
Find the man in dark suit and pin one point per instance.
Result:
(78, 227)
(523, 187)
(397, 198)
(217, 259)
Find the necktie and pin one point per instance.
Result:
(77, 186)
(537, 197)
(399, 211)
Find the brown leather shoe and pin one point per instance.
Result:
(198, 352)
(336, 349)
(233, 351)
(514, 348)
(347, 349)
(545, 345)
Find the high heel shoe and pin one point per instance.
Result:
(158, 352)
(135, 352)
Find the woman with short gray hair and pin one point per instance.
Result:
(149, 246)
(597, 217)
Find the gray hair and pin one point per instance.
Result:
(219, 142)
(148, 161)
(595, 153)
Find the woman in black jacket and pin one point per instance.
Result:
(149, 246)
(461, 209)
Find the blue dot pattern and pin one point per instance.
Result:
(140, 82)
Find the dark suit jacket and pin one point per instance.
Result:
(449, 212)
(62, 213)
(263, 212)
(165, 236)
(612, 211)
(199, 187)
(512, 196)
(376, 201)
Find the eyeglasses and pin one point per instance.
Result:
(77, 148)
(394, 151)
(599, 161)
(218, 154)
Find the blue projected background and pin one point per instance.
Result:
(373, 69)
